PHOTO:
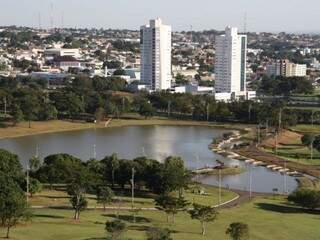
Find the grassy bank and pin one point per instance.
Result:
(143, 199)
(291, 148)
(268, 218)
(22, 129)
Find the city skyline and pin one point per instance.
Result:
(126, 14)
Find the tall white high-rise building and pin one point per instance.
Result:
(230, 67)
(155, 43)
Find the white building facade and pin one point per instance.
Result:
(230, 68)
(155, 41)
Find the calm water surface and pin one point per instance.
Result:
(158, 142)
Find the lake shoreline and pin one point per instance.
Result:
(58, 126)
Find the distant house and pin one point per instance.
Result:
(66, 62)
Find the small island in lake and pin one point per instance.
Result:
(220, 169)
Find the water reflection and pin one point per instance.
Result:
(156, 142)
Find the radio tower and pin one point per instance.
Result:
(51, 15)
(245, 19)
(39, 21)
(62, 20)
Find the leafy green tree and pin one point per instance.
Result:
(77, 190)
(204, 214)
(155, 233)
(17, 114)
(34, 186)
(99, 114)
(170, 205)
(30, 107)
(111, 165)
(115, 229)
(146, 109)
(74, 105)
(175, 177)
(308, 140)
(238, 231)
(13, 204)
(105, 196)
(307, 198)
(316, 142)
(10, 166)
(59, 168)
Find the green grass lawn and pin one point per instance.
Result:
(307, 128)
(297, 154)
(143, 199)
(267, 218)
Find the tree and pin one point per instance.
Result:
(170, 205)
(77, 190)
(74, 105)
(99, 114)
(115, 228)
(13, 204)
(307, 198)
(316, 142)
(17, 114)
(105, 196)
(10, 166)
(174, 175)
(204, 214)
(307, 140)
(79, 203)
(146, 109)
(111, 164)
(34, 186)
(238, 231)
(30, 107)
(155, 233)
(59, 168)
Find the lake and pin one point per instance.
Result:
(158, 142)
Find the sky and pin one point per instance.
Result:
(262, 15)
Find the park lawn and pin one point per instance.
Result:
(268, 218)
(307, 128)
(290, 148)
(53, 198)
(297, 154)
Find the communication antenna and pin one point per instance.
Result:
(191, 29)
(51, 14)
(62, 20)
(39, 21)
(245, 21)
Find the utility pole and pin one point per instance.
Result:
(250, 182)
(37, 151)
(312, 115)
(143, 152)
(94, 151)
(132, 188)
(280, 119)
(249, 112)
(28, 182)
(258, 137)
(276, 143)
(311, 149)
(285, 178)
(197, 167)
(208, 112)
(132, 195)
(5, 106)
(169, 108)
(220, 187)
